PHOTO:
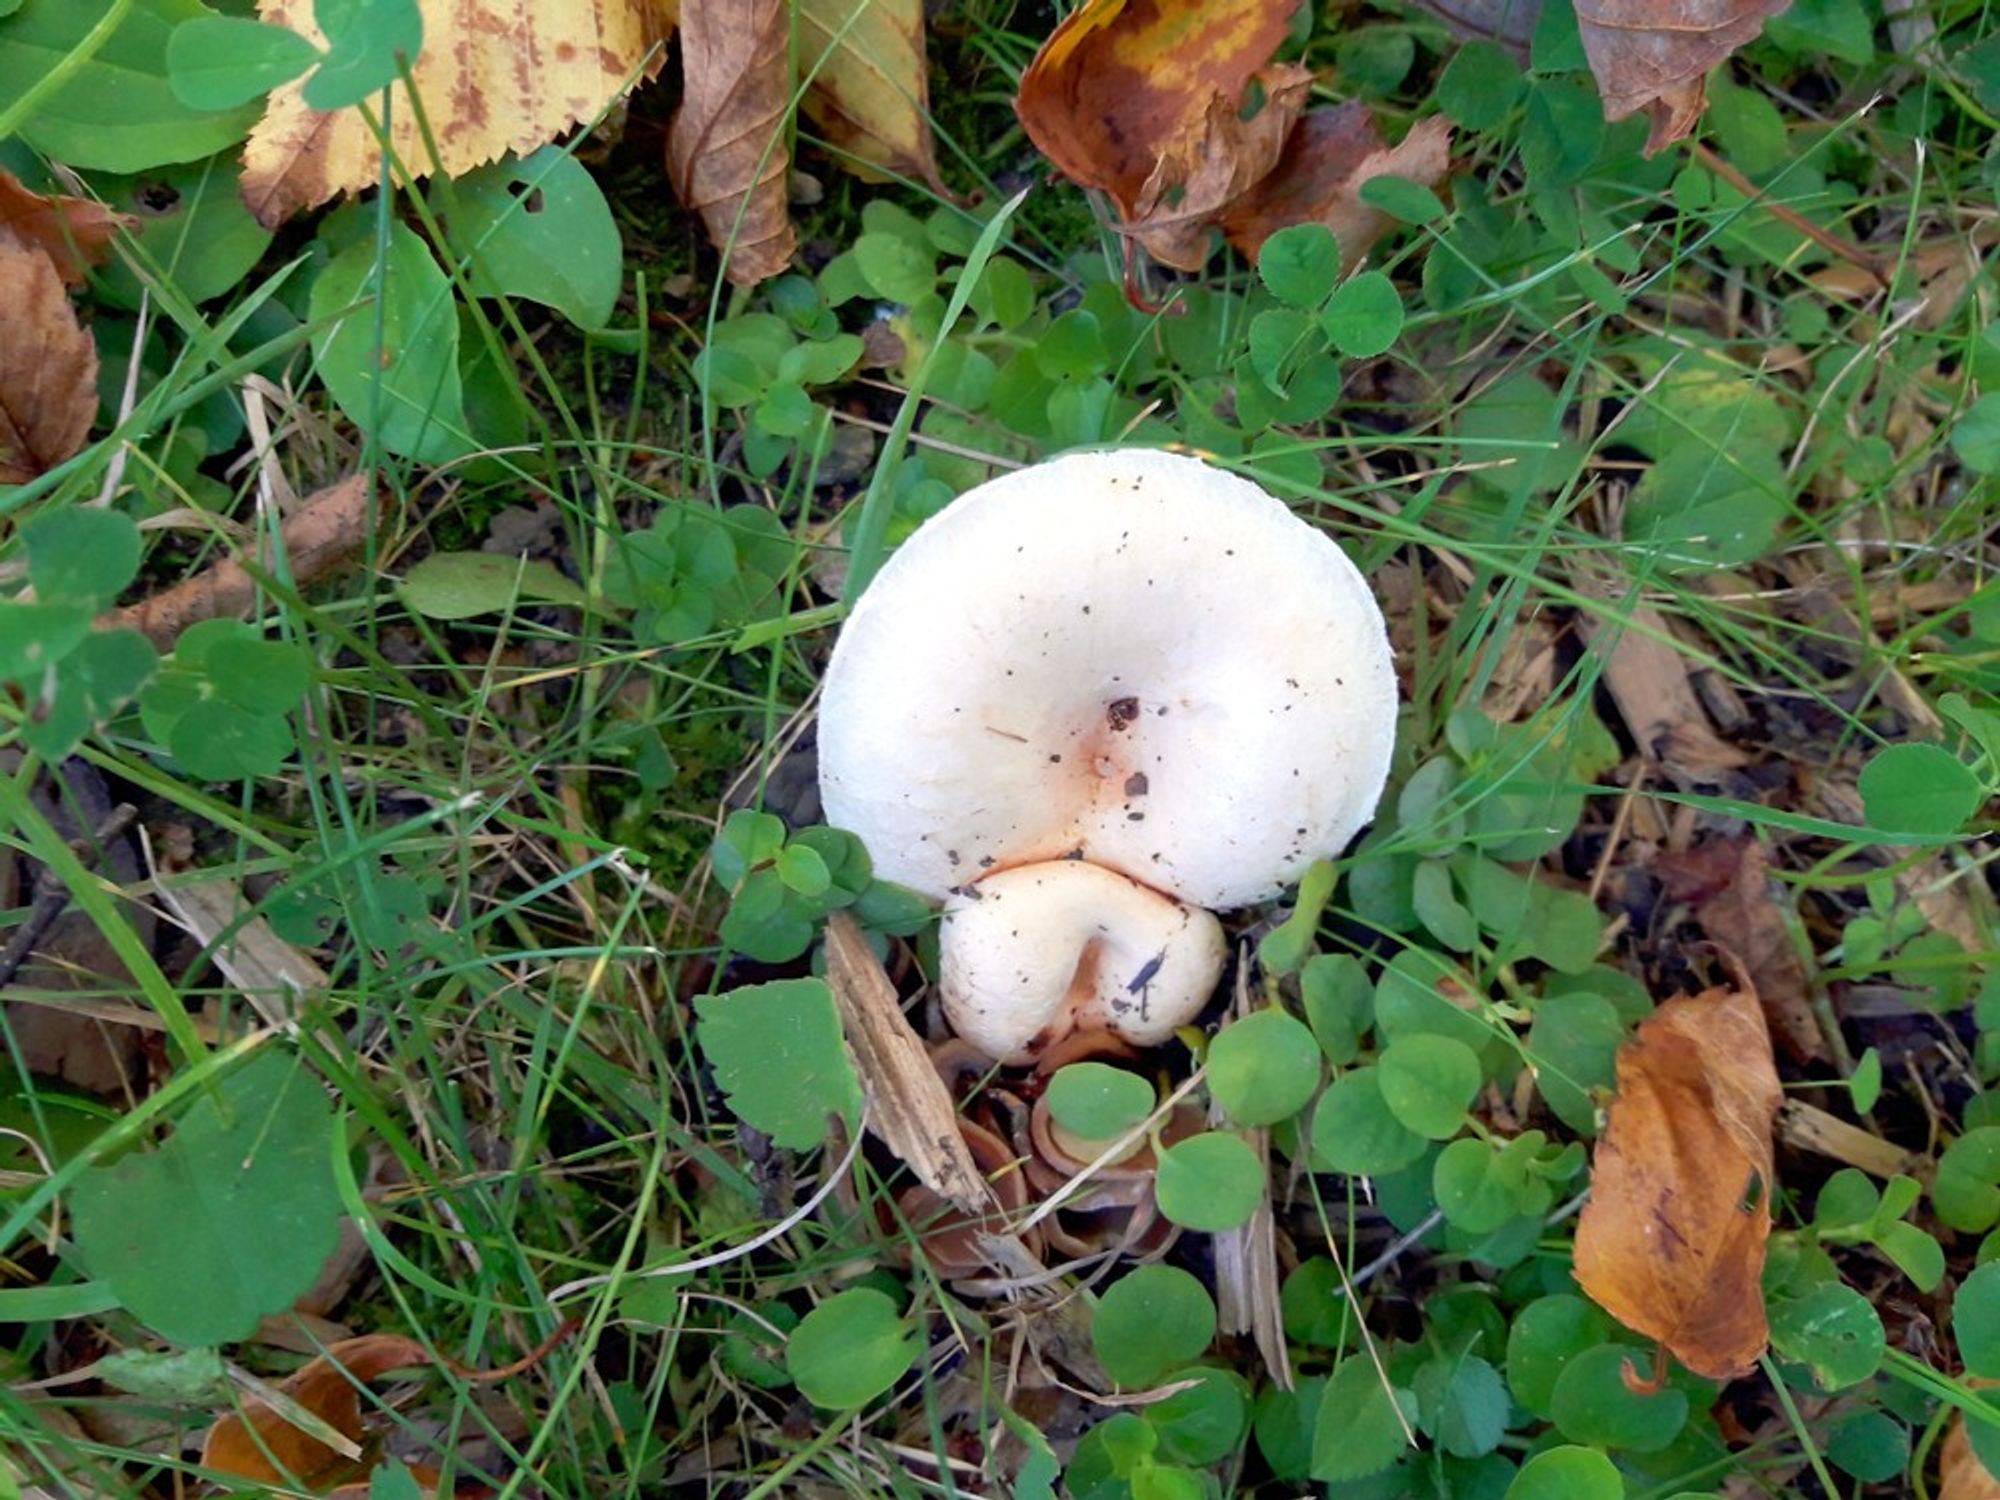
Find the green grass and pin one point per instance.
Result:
(494, 832)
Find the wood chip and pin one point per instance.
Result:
(909, 1108)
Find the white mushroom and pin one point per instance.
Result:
(1126, 660)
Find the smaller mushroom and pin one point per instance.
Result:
(1083, 703)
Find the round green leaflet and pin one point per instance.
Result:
(1202, 1424)
(1353, 1130)
(1975, 1321)
(1097, 1102)
(1150, 1321)
(1428, 1081)
(850, 1349)
(1592, 1403)
(1364, 316)
(1834, 1331)
(1922, 789)
(1567, 1474)
(1298, 264)
(1210, 1182)
(1263, 1068)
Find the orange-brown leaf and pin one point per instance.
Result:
(1320, 176)
(726, 152)
(1961, 1476)
(863, 64)
(260, 1445)
(48, 366)
(1143, 99)
(1655, 54)
(1672, 1240)
(74, 233)
(494, 76)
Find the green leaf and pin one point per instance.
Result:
(1922, 789)
(896, 268)
(1870, 1445)
(1299, 263)
(47, 1304)
(247, 671)
(413, 372)
(1363, 1424)
(1864, 1084)
(1463, 1404)
(803, 871)
(1097, 1102)
(777, 1052)
(1547, 1334)
(1400, 198)
(1203, 1424)
(1072, 347)
(192, 223)
(850, 1349)
(1848, 1198)
(1573, 1045)
(97, 679)
(364, 40)
(81, 554)
(1835, 1332)
(748, 838)
(1149, 1322)
(392, 1481)
(1567, 1474)
(1428, 1082)
(1591, 1403)
(35, 636)
(1975, 436)
(222, 62)
(1450, 921)
(117, 112)
(192, 1377)
(539, 228)
(1364, 316)
(1472, 1185)
(1209, 1182)
(1354, 1130)
(1966, 1191)
(228, 1222)
(459, 585)
(1338, 1001)
(1916, 1254)
(1975, 1321)
(1479, 85)
(1263, 1068)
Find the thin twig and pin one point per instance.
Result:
(1826, 239)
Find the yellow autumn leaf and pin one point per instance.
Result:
(495, 76)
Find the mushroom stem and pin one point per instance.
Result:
(1030, 954)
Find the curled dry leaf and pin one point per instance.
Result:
(1672, 1240)
(726, 152)
(1736, 904)
(329, 527)
(1655, 54)
(1330, 157)
(48, 366)
(258, 1444)
(1961, 1476)
(863, 65)
(495, 76)
(74, 233)
(1144, 99)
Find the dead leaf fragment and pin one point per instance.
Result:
(1961, 1476)
(329, 526)
(726, 153)
(1332, 154)
(1672, 1241)
(1655, 55)
(257, 1443)
(863, 63)
(1143, 100)
(48, 366)
(74, 233)
(908, 1104)
(1736, 905)
(494, 76)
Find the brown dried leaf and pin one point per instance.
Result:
(1655, 54)
(726, 152)
(258, 1444)
(329, 526)
(908, 1104)
(74, 233)
(1672, 1240)
(1961, 1476)
(48, 366)
(495, 76)
(1736, 905)
(867, 89)
(1320, 176)
(1143, 100)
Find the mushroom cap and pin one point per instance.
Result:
(1030, 954)
(1130, 657)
